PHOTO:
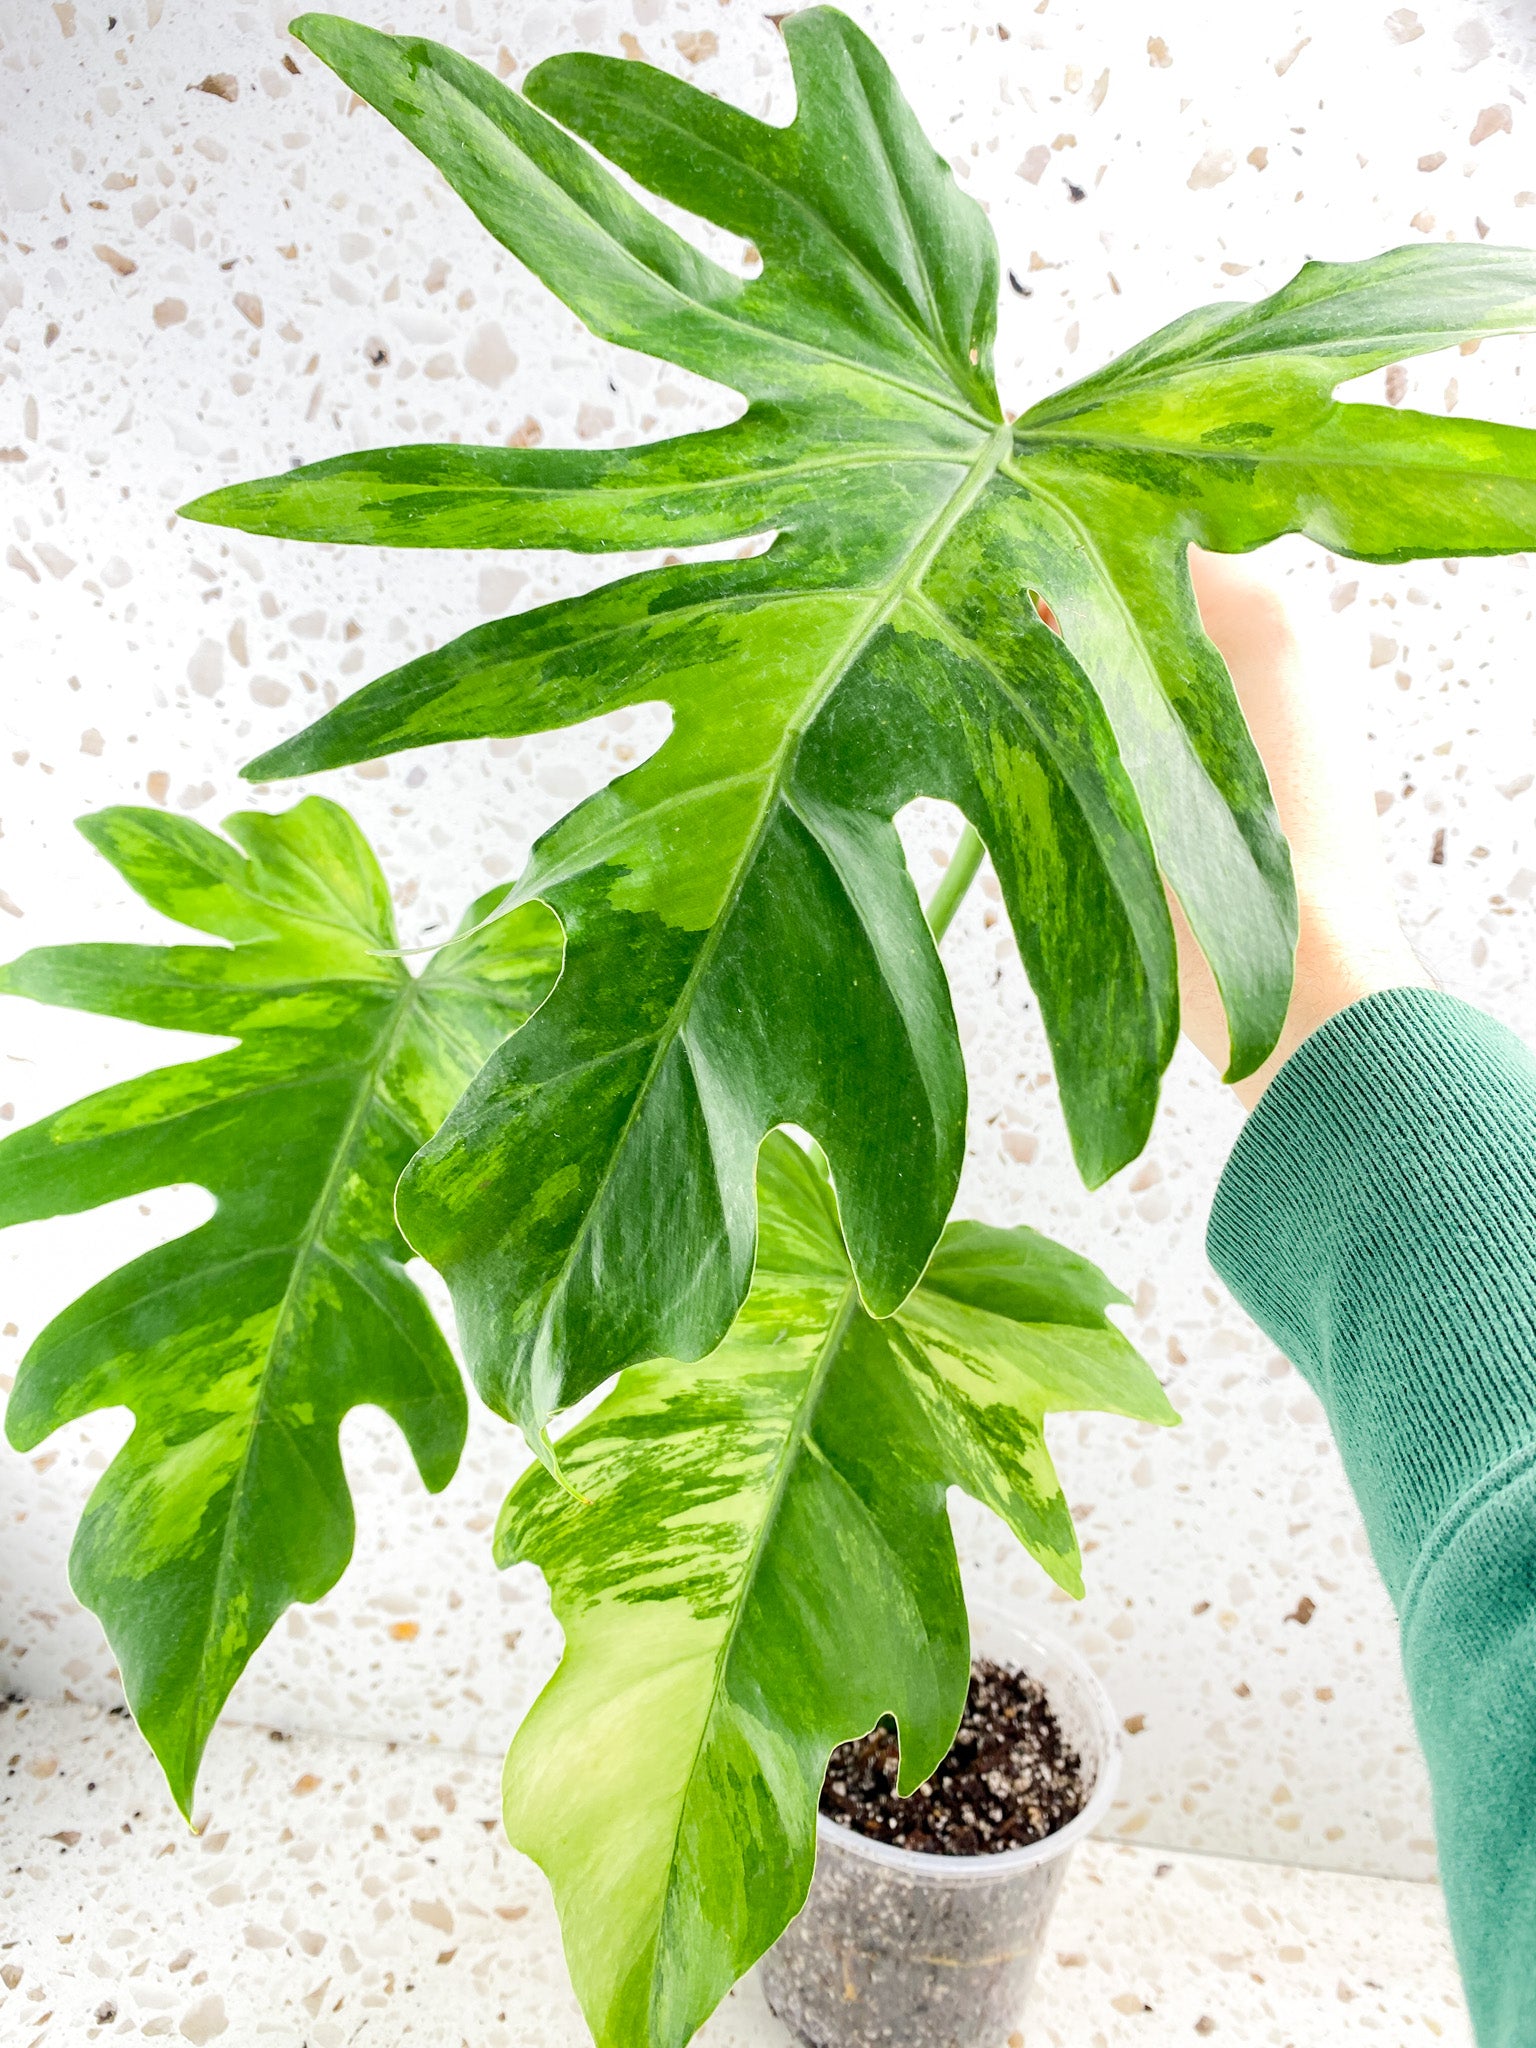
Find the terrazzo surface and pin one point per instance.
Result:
(342, 1892)
(213, 264)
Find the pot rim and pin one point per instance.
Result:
(1034, 1650)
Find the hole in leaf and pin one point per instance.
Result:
(1043, 612)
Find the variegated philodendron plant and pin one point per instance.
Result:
(573, 1110)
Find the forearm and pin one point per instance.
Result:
(1378, 1219)
(1349, 943)
(1344, 953)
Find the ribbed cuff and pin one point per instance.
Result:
(1469, 1655)
(1377, 1219)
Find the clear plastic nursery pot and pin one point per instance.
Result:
(899, 1950)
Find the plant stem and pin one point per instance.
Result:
(957, 878)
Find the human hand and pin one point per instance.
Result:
(1307, 730)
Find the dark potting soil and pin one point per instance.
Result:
(1009, 1778)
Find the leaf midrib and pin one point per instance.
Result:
(193, 984)
(1291, 455)
(288, 915)
(968, 650)
(1340, 361)
(605, 496)
(1108, 584)
(237, 883)
(466, 1052)
(885, 600)
(176, 1112)
(1073, 519)
(1337, 365)
(708, 309)
(252, 1255)
(802, 206)
(592, 851)
(571, 650)
(795, 1440)
(303, 1248)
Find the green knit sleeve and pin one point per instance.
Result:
(1378, 1219)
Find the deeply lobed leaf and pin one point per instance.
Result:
(752, 1562)
(743, 944)
(1222, 429)
(240, 1346)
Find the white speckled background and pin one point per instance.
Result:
(194, 289)
(339, 1894)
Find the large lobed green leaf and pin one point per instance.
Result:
(240, 1346)
(744, 946)
(753, 1562)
